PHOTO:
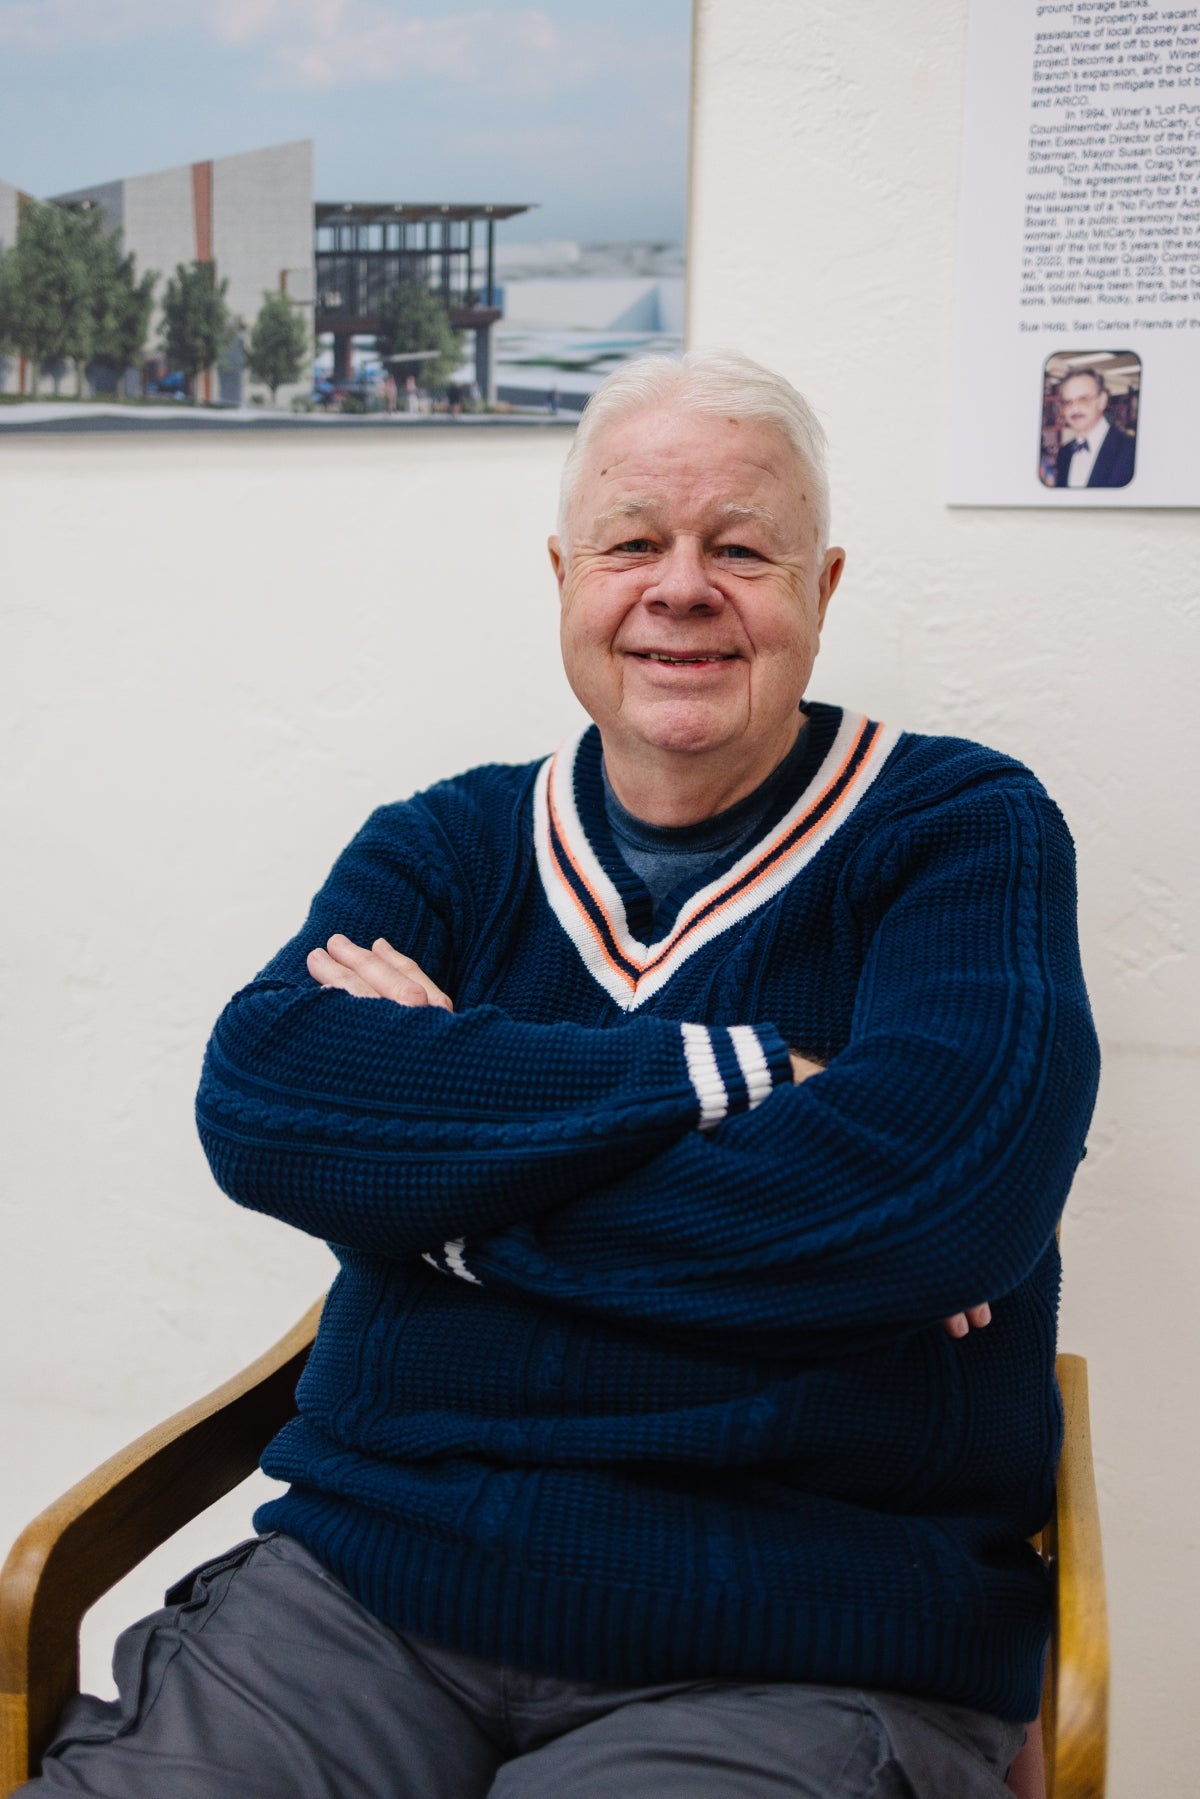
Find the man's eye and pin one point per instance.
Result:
(635, 546)
(737, 551)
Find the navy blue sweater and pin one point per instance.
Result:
(634, 1368)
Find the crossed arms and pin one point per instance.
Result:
(922, 1174)
(382, 972)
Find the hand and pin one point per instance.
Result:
(961, 1323)
(380, 972)
(803, 1066)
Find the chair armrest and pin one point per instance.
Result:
(1076, 1715)
(89, 1539)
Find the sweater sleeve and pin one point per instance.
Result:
(922, 1172)
(396, 1129)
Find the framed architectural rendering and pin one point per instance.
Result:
(381, 211)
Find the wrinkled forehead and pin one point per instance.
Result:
(1085, 387)
(648, 507)
(662, 457)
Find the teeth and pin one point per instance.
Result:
(657, 656)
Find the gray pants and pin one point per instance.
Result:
(263, 1679)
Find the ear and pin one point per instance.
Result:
(558, 562)
(831, 574)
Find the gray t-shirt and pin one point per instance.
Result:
(665, 857)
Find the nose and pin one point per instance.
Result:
(682, 580)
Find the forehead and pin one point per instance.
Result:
(691, 462)
(1084, 385)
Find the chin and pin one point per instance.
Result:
(684, 730)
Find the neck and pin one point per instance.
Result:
(674, 787)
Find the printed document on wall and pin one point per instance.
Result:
(1076, 373)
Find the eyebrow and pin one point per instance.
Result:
(731, 513)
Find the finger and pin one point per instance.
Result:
(979, 1315)
(363, 980)
(382, 977)
(956, 1326)
(413, 970)
(329, 973)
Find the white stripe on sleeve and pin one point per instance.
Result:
(454, 1255)
(705, 1075)
(752, 1062)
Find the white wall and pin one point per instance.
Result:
(824, 216)
(220, 655)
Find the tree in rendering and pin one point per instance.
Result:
(121, 307)
(413, 319)
(278, 343)
(45, 286)
(197, 324)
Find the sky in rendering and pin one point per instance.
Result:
(579, 106)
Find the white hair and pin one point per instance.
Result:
(721, 383)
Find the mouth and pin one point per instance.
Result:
(698, 659)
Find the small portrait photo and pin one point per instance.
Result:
(1089, 418)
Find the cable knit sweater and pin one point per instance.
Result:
(634, 1368)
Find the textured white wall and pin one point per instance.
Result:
(219, 655)
(824, 218)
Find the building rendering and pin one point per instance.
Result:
(10, 206)
(364, 249)
(254, 216)
(250, 214)
(9, 201)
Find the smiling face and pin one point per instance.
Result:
(693, 590)
(1082, 403)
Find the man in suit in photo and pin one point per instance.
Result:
(1094, 452)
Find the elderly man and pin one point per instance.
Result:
(673, 1106)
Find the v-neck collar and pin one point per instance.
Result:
(711, 845)
(606, 910)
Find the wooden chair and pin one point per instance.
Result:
(90, 1538)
